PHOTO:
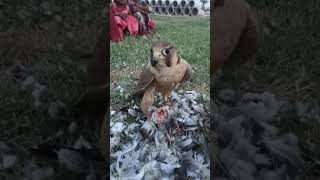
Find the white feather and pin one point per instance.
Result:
(159, 155)
(117, 127)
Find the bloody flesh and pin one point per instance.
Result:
(161, 115)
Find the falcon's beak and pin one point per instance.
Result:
(156, 57)
(154, 61)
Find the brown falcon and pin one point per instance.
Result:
(235, 32)
(162, 73)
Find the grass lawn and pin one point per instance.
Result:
(189, 34)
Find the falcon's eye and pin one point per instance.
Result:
(167, 51)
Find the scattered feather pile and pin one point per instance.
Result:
(31, 85)
(250, 146)
(152, 148)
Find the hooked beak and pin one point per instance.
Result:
(154, 61)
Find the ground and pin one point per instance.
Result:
(191, 37)
(189, 34)
(287, 65)
(46, 38)
(287, 61)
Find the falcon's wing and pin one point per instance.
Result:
(187, 74)
(146, 78)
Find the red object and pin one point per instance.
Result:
(162, 115)
(118, 25)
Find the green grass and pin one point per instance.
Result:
(189, 34)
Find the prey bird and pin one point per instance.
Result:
(163, 72)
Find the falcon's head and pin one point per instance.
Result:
(163, 53)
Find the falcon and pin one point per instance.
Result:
(239, 37)
(163, 72)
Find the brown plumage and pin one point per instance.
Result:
(235, 31)
(162, 73)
